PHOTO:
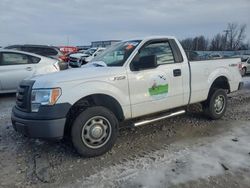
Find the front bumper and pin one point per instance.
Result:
(75, 64)
(49, 122)
(50, 129)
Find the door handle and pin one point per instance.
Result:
(177, 72)
(29, 68)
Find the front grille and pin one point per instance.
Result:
(21, 99)
(23, 95)
(73, 59)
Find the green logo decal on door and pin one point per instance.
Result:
(158, 89)
(159, 86)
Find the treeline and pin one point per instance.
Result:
(232, 38)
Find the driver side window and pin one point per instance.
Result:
(161, 50)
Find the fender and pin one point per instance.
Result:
(118, 91)
(220, 72)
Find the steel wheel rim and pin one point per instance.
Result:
(96, 132)
(219, 104)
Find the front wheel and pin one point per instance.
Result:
(216, 104)
(94, 131)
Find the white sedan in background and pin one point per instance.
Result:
(16, 66)
(245, 67)
(79, 59)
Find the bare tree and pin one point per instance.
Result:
(187, 44)
(237, 33)
(201, 43)
(233, 38)
(245, 46)
(198, 43)
(217, 42)
(248, 45)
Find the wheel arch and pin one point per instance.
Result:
(220, 82)
(93, 100)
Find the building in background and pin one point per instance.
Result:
(104, 44)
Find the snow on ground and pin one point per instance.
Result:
(179, 162)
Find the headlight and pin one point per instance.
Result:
(44, 97)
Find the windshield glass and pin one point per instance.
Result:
(117, 54)
(90, 51)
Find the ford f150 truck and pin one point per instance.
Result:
(141, 80)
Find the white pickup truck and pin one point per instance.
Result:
(145, 79)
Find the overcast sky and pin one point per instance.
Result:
(82, 21)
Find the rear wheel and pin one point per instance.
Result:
(94, 131)
(216, 104)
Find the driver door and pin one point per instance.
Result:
(159, 88)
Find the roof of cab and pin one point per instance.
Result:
(152, 38)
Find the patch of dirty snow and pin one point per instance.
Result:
(179, 162)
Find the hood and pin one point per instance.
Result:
(87, 73)
(78, 55)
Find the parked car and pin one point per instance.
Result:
(215, 56)
(193, 56)
(245, 56)
(245, 67)
(68, 49)
(79, 59)
(16, 66)
(143, 81)
(43, 50)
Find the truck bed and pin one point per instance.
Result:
(204, 72)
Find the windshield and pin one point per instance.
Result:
(117, 54)
(90, 51)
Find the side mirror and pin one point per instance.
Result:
(146, 62)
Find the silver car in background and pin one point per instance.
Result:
(16, 66)
(245, 67)
(79, 59)
(43, 50)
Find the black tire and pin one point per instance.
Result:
(216, 104)
(244, 71)
(86, 126)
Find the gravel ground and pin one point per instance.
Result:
(155, 152)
